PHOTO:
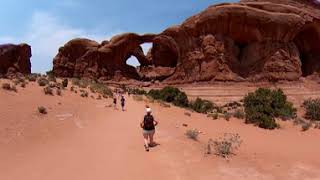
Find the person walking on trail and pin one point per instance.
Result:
(148, 125)
(122, 102)
(115, 102)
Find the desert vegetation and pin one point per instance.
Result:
(312, 109)
(224, 146)
(42, 110)
(192, 134)
(264, 105)
(9, 87)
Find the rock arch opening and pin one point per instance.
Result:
(133, 61)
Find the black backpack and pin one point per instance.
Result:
(148, 122)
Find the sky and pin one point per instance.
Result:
(47, 25)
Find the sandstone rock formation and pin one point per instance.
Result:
(251, 40)
(86, 58)
(15, 59)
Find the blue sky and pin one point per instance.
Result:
(48, 24)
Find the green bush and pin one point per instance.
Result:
(136, 91)
(201, 106)
(154, 93)
(262, 106)
(43, 81)
(312, 107)
(239, 114)
(170, 95)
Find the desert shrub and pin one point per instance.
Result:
(298, 121)
(317, 125)
(72, 88)
(171, 95)
(23, 85)
(58, 92)
(14, 89)
(65, 83)
(48, 90)
(312, 107)
(6, 86)
(42, 110)
(227, 116)
(181, 100)
(192, 134)
(214, 116)
(225, 146)
(19, 80)
(201, 106)
(262, 106)
(101, 89)
(239, 114)
(137, 97)
(43, 81)
(306, 126)
(99, 97)
(137, 91)
(32, 77)
(49, 73)
(75, 81)
(84, 93)
(154, 93)
(52, 79)
(52, 85)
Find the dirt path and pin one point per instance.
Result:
(85, 140)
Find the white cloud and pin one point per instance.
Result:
(46, 33)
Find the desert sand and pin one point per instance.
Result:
(83, 138)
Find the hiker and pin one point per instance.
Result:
(115, 101)
(122, 102)
(148, 125)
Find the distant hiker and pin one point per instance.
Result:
(122, 102)
(115, 102)
(148, 125)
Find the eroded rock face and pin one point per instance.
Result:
(86, 58)
(15, 59)
(250, 40)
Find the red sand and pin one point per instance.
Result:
(83, 139)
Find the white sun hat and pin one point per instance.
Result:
(148, 110)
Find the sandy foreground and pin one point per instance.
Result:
(84, 139)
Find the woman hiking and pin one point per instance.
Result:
(148, 125)
(115, 102)
(123, 100)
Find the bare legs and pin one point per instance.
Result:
(145, 137)
(148, 140)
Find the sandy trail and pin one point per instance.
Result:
(82, 139)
